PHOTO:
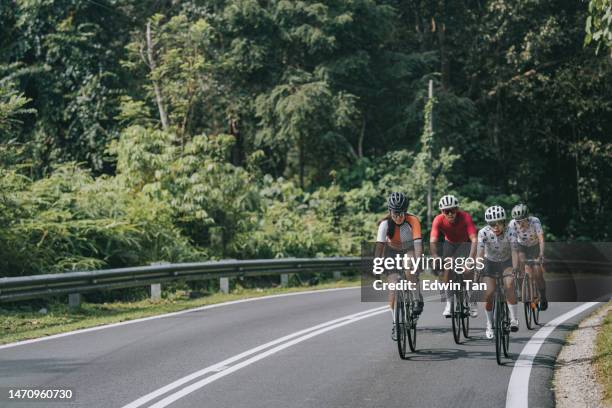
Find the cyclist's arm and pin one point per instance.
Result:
(415, 225)
(380, 239)
(471, 231)
(474, 244)
(379, 249)
(540, 232)
(433, 237)
(515, 259)
(542, 244)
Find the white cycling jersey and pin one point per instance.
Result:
(497, 248)
(529, 235)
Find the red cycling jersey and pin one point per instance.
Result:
(458, 231)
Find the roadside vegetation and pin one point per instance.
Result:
(603, 358)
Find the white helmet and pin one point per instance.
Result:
(520, 212)
(448, 201)
(495, 213)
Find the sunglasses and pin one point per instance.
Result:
(449, 211)
(496, 223)
(397, 214)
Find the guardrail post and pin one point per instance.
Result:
(337, 275)
(74, 300)
(284, 280)
(224, 285)
(156, 287)
(155, 292)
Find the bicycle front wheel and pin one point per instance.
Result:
(499, 335)
(400, 323)
(465, 316)
(411, 326)
(506, 330)
(456, 314)
(528, 301)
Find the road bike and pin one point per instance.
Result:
(460, 309)
(405, 319)
(531, 297)
(501, 319)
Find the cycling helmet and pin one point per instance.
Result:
(448, 201)
(520, 212)
(495, 213)
(397, 202)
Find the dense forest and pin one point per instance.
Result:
(139, 131)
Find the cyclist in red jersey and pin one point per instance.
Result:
(461, 240)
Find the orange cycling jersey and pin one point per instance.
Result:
(403, 235)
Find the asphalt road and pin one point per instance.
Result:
(324, 349)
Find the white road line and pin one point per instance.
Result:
(144, 319)
(196, 386)
(518, 387)
(222, 366)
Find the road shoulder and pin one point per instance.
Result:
(575, 380)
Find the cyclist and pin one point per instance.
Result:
(495, 243)
(530, 245)
(458, 229)
(399, 233)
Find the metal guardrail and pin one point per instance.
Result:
(37, 286)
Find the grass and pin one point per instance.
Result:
(18, 325)
(603, 361)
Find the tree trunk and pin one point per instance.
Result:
(163, 116)
(361, 137)
(237, 153)
(301, 147)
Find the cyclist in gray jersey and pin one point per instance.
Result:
(530, 245)
(495, 245)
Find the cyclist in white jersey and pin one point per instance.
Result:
(495, 245)
(530, 245)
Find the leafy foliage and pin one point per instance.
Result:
(132, 132)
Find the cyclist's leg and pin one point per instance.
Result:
(392, 278)
(489, 294)
(511, 297)
(415, 295)
(447, 252)
(539, 279)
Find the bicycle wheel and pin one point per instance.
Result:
(527, 301)
(400, 323)
(535, 308)
(465, 315)
(498, 322)
(411, 326)
(506, 329)
(517, 289)
(456, 316)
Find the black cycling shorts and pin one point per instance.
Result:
(495, 269)
(456, 249)
(530, 252)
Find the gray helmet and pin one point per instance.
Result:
(495, 213)
(448, 201)
(397, 202)
(520, 212)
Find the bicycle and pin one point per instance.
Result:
(460, 310)
(531, 297)
(501, 318)
(405, 320)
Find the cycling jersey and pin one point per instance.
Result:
(529, 235)
(497, 248)
(404, 235)
(457, 231)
